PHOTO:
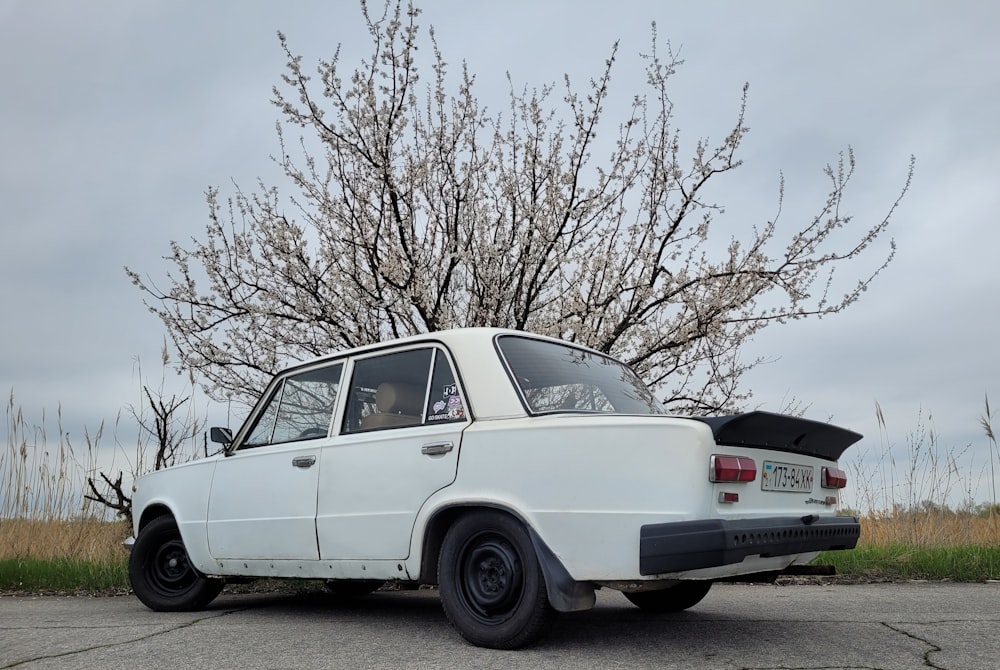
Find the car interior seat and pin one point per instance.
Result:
(396, 405)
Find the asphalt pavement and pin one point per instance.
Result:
(833, 627)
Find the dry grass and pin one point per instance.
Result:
(930, 528)
(42, 478)
(923, 491)
(908, 530)
(49, 532)
(90, 540)
(51, 537)
(63, 556)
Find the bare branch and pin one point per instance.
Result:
(414, 209)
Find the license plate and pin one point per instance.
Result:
(787, 477)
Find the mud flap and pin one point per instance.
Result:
(565, 593)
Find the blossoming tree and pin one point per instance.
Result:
(416, 209)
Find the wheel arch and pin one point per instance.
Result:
(565, 593)
(193, 535)
(154, 511)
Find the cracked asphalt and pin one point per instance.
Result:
(741, 627)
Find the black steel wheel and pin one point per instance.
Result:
(161, 574)
(674, 598)
(492, 587)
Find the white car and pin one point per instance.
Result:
(517, 473)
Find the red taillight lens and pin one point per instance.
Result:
(833, 478)
(732, 469)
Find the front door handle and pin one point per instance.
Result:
(436, 449)
(304, 461)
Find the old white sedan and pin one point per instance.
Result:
(515, 472)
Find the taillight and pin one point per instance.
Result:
(833, 478)
(732, 469)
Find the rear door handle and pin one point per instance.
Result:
(436, 449)
(304, 461)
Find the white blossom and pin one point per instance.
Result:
(421, 211)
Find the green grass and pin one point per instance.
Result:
(37, 575)
(866, 563)
(904, 562)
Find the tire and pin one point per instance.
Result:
(161, 574)
(674, 598)
(491, 585)
(351, 589)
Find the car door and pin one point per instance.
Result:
(398, 444)
(263, 499)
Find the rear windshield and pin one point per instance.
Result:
(553, 377)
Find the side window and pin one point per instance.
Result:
(445, 403)
(264, 428)
(299, 409)
(405, 388)
(388, 391)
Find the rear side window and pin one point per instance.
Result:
(553, 377)
(401, 389)
(445, 403)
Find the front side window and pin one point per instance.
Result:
(553, 377)
(300, 408)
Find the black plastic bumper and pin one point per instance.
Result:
(689, 545)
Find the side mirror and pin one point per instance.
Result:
(221, 435)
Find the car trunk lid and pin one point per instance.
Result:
(779, 432)
(770, 464)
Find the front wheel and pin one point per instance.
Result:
(674, 598)
(161, 574)
(492, 587)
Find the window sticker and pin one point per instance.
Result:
(449, 407)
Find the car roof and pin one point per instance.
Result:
(453, 338)
(483, 376)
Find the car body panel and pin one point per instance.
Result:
(372, 485)
(588, 493)
(586, 484)
(181, 491)
(263, 505)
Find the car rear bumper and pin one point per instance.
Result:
(690, 545)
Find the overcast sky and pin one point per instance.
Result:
(118, 115)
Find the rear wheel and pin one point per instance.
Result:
(161, 574)
(492, 587)
(674, 598)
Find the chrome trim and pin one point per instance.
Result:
(304, 461)
(436, 449)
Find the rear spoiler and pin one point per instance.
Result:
(765, 430)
